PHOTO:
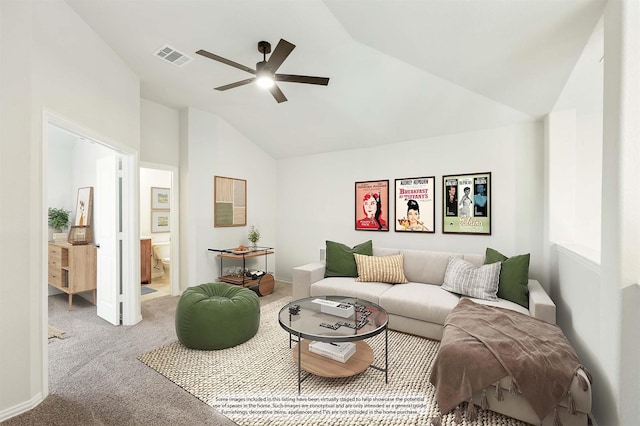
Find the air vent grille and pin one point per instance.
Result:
(170, 54)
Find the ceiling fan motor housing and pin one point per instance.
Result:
(264, 47)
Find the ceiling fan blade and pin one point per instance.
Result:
(236, 84)
(277, 93)
(302, 79)
(225, 61)
(282, 50)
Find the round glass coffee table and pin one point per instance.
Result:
(334, 320)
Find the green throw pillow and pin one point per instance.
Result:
(514, 276)
(340, 261)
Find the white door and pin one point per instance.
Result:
(107, 224)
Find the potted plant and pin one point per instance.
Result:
(58, 221)
(254, 236)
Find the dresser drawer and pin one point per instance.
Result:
(58, 258)
(58, 277)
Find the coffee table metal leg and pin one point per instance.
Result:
(299, 364)
(386, 355)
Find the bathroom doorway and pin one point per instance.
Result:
(158, 231)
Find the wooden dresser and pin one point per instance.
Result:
(72, 269)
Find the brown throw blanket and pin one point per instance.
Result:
(482, 344)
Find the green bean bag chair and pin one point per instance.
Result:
(217, 316)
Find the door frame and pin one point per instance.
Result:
(130, 266)
(174, 220)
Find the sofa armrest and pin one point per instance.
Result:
(540, 304)
(304, 276)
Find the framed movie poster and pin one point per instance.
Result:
(466, 204)
(372, 206)
(415, 204)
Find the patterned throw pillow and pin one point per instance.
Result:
(384, 269)
(463, 278)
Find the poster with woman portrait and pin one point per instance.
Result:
(372, 205)
(466, 204)
(415, 204)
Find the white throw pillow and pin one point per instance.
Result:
(462, 277)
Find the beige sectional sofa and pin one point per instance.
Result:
(421, 306)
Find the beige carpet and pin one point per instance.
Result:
(256, 383)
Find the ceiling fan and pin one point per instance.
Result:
(265, 72)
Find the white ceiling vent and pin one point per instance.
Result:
(170, 54)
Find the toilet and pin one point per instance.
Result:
(162, 253)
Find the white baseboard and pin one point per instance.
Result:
(20, 408)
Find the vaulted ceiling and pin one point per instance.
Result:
(399, 69)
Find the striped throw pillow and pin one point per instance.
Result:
(384, 269)
(463, 278)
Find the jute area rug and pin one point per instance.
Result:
(255, 383)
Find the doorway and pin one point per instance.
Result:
(159, 230)
(81, 152)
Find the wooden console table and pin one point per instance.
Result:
(263, 284)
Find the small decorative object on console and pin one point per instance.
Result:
(343, 310)
(337, 351)
(80, 235)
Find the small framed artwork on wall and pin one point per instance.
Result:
(160, 221)
(466, 204)
(160, 198)
(415, 204)
(372, 206)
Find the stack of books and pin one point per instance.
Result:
(336, 351)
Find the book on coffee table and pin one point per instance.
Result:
(336, 351)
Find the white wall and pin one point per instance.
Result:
(211, 147)
(159, 134)
(596, 290)
(316, 194)
(58, 63)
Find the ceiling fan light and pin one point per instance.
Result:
(265, 81)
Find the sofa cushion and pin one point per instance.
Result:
(340, 261)
(381, 251)
(344, 286)
(474, 259)
(384, 269)
(416, 300)
(463, 278)
(426, 266)
(514, 276)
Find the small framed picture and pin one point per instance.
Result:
(415, 204)
(160, 198)
(372, 206)
(160, 221)
(84, 204)
(466, 204)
